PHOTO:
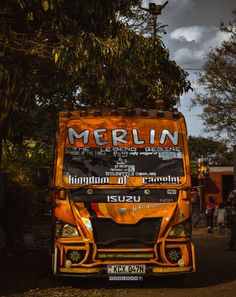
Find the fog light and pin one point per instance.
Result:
(173, 255)
(75, 256)
(181, 262)
(68, 263)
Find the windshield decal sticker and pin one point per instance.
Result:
(73, 134)
(162, 180)
(94, 165)
(120, 136)
(88, 180)
(173, 138)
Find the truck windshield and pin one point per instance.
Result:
(107, 162)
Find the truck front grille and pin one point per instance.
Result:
(108, 233)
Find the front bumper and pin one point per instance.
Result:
(169, 256)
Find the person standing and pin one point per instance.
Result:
(210, 209)
(220, 215)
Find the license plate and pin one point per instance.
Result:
(126, 269)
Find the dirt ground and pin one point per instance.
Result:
(27, 273)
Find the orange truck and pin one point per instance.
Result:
(121, 194)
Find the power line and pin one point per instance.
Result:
(192, 116)
(196, 69)
(190, 62)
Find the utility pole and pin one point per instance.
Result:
(154, 10)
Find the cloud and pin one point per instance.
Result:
(185, 54)
(182, 3)
(210, 36)
(179, 5)
(204, 39)
(217, 39)
(189, 34)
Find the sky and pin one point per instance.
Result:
(193, 29)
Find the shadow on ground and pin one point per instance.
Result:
(24, 270)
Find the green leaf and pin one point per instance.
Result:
(56, 56)
(30, 16)
(21, 3)
(45, 5)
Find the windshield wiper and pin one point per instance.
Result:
(139, 187)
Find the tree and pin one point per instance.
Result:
(215, 151)
(219, 82)
(79, 51)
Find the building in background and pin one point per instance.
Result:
(219, 183)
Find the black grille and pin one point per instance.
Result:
(108, 233)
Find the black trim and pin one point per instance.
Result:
(126, 195)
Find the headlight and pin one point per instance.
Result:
(183, 229)
(69, 231)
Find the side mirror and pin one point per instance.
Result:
(42, 177)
